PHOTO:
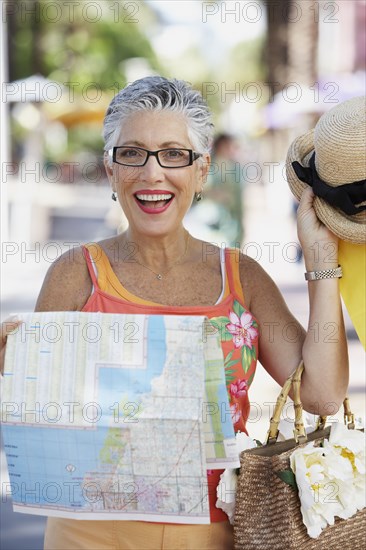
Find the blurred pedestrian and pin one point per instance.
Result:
(225, 187)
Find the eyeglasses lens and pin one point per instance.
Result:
(168, 158)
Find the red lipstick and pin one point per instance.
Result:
(157, 206)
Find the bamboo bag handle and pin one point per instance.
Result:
(300, 436)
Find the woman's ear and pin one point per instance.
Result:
(109, 169)
(205, 167)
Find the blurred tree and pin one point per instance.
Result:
(276, 47)
(83, 49)
(245, 63)
(77, 45)
(228, 82)
(291, 47)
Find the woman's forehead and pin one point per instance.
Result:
(159, 125)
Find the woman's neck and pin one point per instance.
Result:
(157, 252)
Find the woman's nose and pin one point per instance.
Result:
(152, 169)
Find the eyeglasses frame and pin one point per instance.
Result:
(192, 156)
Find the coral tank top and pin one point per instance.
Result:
(237, 327)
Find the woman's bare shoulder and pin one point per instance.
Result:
(255, 281)
(67, 284)
(249, 266)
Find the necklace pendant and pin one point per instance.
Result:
(159, 276)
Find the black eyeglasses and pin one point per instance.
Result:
(167, 158)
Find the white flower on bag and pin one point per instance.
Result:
(331, 479)
(226, 489)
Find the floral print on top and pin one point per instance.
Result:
(239, 340)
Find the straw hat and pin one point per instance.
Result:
(336, 171)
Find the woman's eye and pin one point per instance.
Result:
(128, 153)
(173, 153)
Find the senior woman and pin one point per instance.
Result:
(157, 138)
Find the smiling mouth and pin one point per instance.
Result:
(154, 201)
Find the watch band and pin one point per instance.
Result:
(324, 274)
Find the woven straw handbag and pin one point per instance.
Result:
(267, 513)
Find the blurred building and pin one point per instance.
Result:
(315, 54)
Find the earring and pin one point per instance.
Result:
(114, 196)
(198, 196)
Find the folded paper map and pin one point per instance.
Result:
(110, 416)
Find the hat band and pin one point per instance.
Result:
(344, 196)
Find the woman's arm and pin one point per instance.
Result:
(283, 342)
(67, 285)
(325, 351)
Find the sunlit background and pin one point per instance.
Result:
(268, 70)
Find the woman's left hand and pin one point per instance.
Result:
(319, 244)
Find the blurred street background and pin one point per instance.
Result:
(268, 70)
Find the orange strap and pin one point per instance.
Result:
(232, 269)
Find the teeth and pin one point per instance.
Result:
(162, 197)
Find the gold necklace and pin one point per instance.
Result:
(159, 276)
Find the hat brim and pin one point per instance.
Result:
(347, 228)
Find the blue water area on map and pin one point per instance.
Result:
(129, 384)
(227, 427)
(47, 465)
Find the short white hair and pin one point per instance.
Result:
(156, 93)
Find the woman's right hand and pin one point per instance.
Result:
(6, 327)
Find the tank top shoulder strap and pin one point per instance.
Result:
(90, 265)
(97, 264)
(104, 278)
(233, 273)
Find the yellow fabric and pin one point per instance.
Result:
(352, 258)
(107, 280)
(109, 283)
(74, 534)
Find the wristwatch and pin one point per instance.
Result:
(324, 274)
